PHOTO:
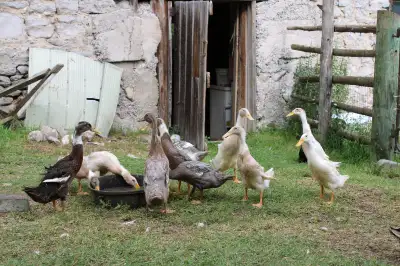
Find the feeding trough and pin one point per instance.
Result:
(115, 191)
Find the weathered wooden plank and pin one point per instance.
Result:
(37, 113)
(93, 83)
(325, 81)
(336, 52)
(191, 35)
(385, 86)
(345, 80)
(108, 98)
(25, 82)
(160, 8)
(201, 144)
(251, 91)
(194, 66)
(176, 20)
(242, 58)
(58, 92)
(33, 94)
(235, 9)
(182, 67)
(339, 28)
(76, 89)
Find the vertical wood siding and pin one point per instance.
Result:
(190, 62)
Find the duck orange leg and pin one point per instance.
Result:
(260, 204)
(246, 197)
(55, 205)
(322, 192)
(80, 192)
(235, 179)
(179, 186)
(332, 198)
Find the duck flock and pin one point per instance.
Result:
(172, 158)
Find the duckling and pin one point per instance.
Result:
(252, 173)
(228, 150)
(57, 179)
(200, 175)
(323, 170)
(156, 173)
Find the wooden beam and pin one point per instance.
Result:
(345, 80)
(336, 52)
(160, 8)
(386, 84)
(353, 136)
(25, 82)
(339, 28)
(341, 106)
(325, 77)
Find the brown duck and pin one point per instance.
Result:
(175, 158)
(59, 176)
(156, 173)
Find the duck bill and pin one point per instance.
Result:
(137, 186)
(250, 117)
(227, 134)
(301, 141)
(290, 114)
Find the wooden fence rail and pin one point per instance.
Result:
(337, 28)
(336, 52)
(340, 106)
(345, 80)
(345, 134)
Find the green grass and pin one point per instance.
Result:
(286, 231)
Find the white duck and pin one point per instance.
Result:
(99, 163)
(307, 129)
(322, 169)
(252, 173)
(228, 149)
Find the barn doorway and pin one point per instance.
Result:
(219, 94)
(217, 38)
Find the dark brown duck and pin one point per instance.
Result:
(59, 176)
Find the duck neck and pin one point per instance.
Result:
(304, 123)
(77, 149)
(240, 121)
(155, 145)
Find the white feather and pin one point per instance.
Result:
(57, 180)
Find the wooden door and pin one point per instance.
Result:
(244, 66)
(190, 62)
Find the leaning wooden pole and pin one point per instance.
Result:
(385, 86)
(325, 77)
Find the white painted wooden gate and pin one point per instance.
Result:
(83, 90)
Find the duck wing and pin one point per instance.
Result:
(65, 167)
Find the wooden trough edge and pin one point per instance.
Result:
(345, 134)
(341, 106)
(339, 28)
(336, 52)
(345, 80)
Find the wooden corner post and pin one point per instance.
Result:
(385, 85)
(325, 76)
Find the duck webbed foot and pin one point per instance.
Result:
(332, 198)
(166, 210)
(56, 208)
(235, 179)
(260, 204)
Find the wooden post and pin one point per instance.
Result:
(385, 85)
(325, 77)
(160, 8)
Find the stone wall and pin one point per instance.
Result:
(100, 29)
(276, 62)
